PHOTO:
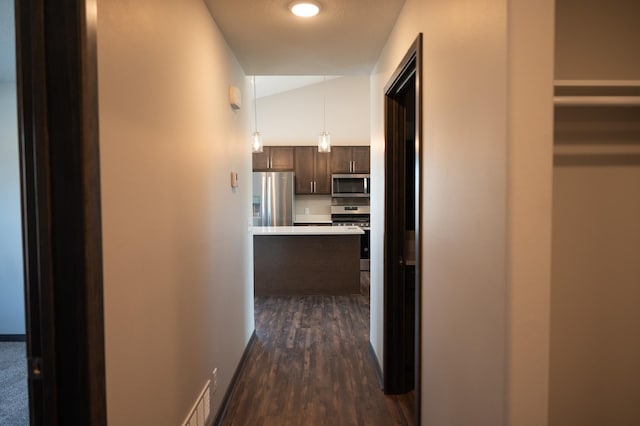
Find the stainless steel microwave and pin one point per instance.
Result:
(350, 185)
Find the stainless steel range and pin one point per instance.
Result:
(354, 215)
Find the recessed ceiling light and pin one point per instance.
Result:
(304, 9)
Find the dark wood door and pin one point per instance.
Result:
(304, 169)
(281, 158)
(313, 171)
(350, 159)
(261, 160)
(402, 272)
(273, 159)
(322, 175)
(360, 158)
(62, 231)
(341, 159)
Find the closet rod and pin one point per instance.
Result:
(596, 100)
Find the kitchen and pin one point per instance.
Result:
(328, 188)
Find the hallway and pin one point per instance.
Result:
(310, 365)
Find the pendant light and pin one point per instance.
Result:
(256, 139)
(324, 140)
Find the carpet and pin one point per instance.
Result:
(14, 399)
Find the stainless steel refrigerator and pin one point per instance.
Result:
(273, 198)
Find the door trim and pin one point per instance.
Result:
(60, 179)
(410, 66)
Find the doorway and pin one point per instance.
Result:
(403, 150)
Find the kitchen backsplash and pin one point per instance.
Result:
(316, 204)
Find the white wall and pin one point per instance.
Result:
(473, 242)
(12, 320)
(177, 254)
(295, 117)
(529, 209)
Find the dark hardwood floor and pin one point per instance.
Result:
(309, 365)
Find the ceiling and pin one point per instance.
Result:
(345, 38)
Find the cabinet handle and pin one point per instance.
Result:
(311, 186)
(315, 187)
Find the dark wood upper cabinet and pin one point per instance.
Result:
(323, 172)
(350, 159)
(273, 159)
(361, 158)
(313, 171)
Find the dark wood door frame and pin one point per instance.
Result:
(60, 179)
(406, 79)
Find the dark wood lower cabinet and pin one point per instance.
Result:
(306, 264)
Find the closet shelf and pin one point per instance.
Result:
(599, 149)
(597, 83)
(596, 100)
(588, 93)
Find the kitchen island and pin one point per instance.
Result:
(297, 260)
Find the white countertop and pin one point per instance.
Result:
(307, 230)
(313, 218)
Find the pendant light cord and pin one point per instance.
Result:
(255, 106)
(324, 106)
(324, 114)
